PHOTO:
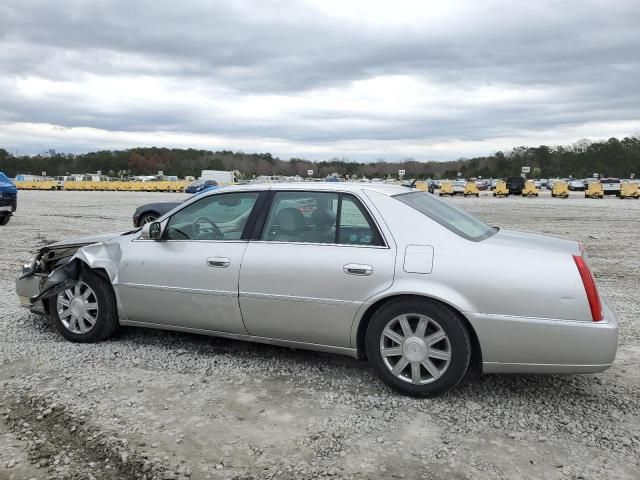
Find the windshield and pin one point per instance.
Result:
(448, 215)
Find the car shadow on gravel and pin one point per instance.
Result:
(146, 348)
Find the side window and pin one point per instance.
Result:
(356, 228)
(302, 217)
(217, 217)
(319, 217)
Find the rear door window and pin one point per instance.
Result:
(319, 217)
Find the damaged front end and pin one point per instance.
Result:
(58, 267)
(50, 271)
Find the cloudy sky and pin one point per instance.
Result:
(363, 79)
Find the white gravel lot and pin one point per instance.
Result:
(168, 405)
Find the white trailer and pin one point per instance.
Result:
(220, 176)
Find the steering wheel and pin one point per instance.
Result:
(198, 231)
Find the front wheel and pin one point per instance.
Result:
(4, 219)
(147, 218)
(418, 347)
(87, 311)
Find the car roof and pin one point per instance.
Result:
(385, 189)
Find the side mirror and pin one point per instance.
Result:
(151, 231)
(155, 231)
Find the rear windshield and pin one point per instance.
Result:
(448, 215)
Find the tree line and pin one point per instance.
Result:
(613, 157)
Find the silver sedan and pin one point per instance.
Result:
(377, 271)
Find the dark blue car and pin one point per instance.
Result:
(152, 211)
(8, 199)
(200, 185)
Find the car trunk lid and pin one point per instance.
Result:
(534, 241)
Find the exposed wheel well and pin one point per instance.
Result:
(101, 272)
(476, 351)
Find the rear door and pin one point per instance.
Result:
(319, 256)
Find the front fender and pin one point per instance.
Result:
(103, 256)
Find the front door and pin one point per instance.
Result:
(319, 257)
(189, 279)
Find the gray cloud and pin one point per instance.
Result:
(581, 59)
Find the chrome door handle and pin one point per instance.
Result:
(218, 262)
(357, 269)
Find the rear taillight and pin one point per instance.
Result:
(590, 288)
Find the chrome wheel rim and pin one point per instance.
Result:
(415, 348)
(148, 219)
(78, 308)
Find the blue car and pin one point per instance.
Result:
(8, 199)
(199, 185)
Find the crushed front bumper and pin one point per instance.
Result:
(28, 288)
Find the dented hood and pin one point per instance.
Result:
(100, 238)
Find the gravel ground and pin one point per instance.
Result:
(168, 405)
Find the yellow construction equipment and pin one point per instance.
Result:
(529, 189)
(594, 190)
(422, 186)
(446, 188)
(560, 189)
(629, 190)
(501, 189)
(112, 186)
(471, 189)
(37, 185)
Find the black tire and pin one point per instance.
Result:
(147, 218)
(4, 219)
(107, 319)
(455, 330)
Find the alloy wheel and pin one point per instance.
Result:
(415, 348)
(78, 308)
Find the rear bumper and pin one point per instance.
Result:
(539, 345)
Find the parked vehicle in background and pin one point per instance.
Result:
(371, 271)
(530, 189)
(537, 183)
(515, 185)
(458, 187)
(560, 189)
(500, 189)
(60, 181)
(8, 199)
(221, 177)
(611, 186)
(446, 188)
(544, 182)
(594, 190)
(576, 185)
(150, 212)
(200, 185)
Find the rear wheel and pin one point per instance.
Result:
(418, 347)
(4, 219)
(87, 311)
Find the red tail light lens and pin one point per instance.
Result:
(590, 288)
